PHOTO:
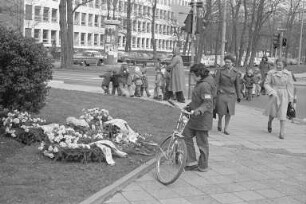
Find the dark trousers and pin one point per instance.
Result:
(179, 96)
(202, 142)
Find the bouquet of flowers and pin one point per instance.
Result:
(22, 127)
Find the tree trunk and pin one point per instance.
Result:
(128, 40)
(69, 34)
(63, 32)
(241, 47)
(153, 29)
(186, 44)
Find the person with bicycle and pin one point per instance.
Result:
(200, 122)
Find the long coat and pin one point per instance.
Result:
(228, 86)
(279, 84)
(177, 76)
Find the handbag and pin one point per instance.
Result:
(290, 111)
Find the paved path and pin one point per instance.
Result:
(248, 166)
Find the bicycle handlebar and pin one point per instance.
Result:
(181, 109)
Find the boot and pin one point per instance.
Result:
(180, 97)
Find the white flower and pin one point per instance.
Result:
(63, 144)
(48, 154)
(16, 120)
(13, 135)
(23, 120)
(26, 130)
(42, 145)
(55, 149)
(50, 149)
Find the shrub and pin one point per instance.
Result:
(25, 70)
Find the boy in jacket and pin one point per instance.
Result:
(200, 122)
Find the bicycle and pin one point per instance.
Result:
(172, 156)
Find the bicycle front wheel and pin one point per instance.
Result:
(171, 160)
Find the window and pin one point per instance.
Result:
(148, 27)
(46, 36)
(46, 14)
(89, 39)
(37, 13)
(133, 42)
(102, 21)
(119, 40)
(76, 38)
(144, 26)
(90, 4)
(143, 43)
(76, 20)
(120, 7)
(97, 20)
(125, 7)
(83, 38)
(101, 40)
(54, 15)
(140, 10)
(96, 39)
(138, 42)
(83, 20)
(53, 36)
(28, 12)
(123, 40)
(90, 20)
(28, 32)
(37, 35)
(139, 26)
(97, 3)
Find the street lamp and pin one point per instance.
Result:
(301, 35)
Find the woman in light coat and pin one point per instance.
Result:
(279, 88)
(177, 76)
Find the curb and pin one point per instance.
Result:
(118, 185)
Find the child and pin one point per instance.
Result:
(137, 81)
(106, 81)
(115, 82)
(159, 83)
(200, 122)
(257, 78)
(145, 83)
(249, 82)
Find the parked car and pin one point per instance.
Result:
(89, 57)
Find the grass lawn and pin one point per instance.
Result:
(26, 176)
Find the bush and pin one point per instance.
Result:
(25, 70)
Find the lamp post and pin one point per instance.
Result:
(223, 34)
(301, 35)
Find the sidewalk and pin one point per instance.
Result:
(248, 166)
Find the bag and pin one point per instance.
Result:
(290, 111)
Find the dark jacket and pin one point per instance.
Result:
(106, 78)
(202, 100)
(115, 79)
(249, 81)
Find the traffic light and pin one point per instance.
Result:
(188, 23)
(276, 39)
(284, 42)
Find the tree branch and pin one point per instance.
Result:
(81, 4)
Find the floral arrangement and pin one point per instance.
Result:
(22, 127)
(95, 135)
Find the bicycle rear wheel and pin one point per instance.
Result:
(171, 160)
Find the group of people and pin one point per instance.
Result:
(219, 94)
(169, 80)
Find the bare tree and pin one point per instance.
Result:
(66, 11)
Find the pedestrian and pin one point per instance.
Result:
(249, 82)
(145, 83)
(228, 91)
(159, 82)
(167, 92)
(129, 83)
(123, 78)
(115, 83)
(279, 87)
(264, 67)
(258, 81)
(137, 81)
(106, 79)
(200, 122)
(177, 76)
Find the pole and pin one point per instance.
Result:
(223, 40)
(301, 36)
(192, 45)
(281, 44)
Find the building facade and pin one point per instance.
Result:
(41, 21)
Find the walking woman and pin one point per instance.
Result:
(228, 91)
(279, 88)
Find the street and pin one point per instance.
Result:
(91, 78)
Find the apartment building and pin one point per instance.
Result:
(41, 21)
